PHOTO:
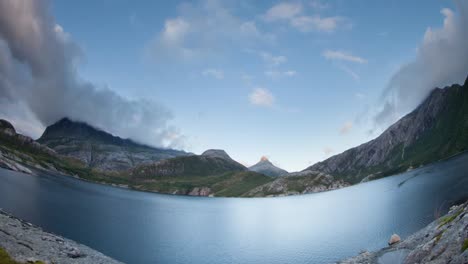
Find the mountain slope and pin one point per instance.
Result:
(264, 166)
(98, 149)
(212, 173)
(203, 165)
(436, 129)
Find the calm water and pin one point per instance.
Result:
(137, 227)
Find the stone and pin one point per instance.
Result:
(394, 239)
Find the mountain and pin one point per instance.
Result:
(22, 153)
(298, 183)
(211, 162)
(212, 173)
(264, 166)
(436, 129)
(98, 149)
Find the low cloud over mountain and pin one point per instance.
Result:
(38, 75)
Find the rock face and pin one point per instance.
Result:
(100, 150)
(211, 162)
(200, 191)
(443, 241)
(298, 183)
(26, 243)
(14, 149)
(436, 129)
(264, 166)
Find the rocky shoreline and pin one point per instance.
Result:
(27, 243)
(443, 241)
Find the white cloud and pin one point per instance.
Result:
(215, 73)
(272, 60)
(205, 28)
(341, 55)
(283, 11)
(293, 13)
(350, 72)
(316, 23)
(360, 96)
(274, 74)
(261, 97)
(174, 30)
(290, 73)
(346, 128)
(327, 151)
(319, 5)
(441, 59)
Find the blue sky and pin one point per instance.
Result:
(296, 81)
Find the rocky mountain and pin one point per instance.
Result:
(211, 162)
(213, 173)
(264, 166)
(98, 149)
(436, 129)
(298, 183)
(22, 153)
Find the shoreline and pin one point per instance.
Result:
(26, 243)
(445, 240)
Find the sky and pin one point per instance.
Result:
(295, 81)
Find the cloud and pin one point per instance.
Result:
(274, 74)
(204, 28)
(261, 97)
(272, 60)
(293, 13)
(360, 96)
(350, 72)
(346, 128)
(283, 11)
(343, 56)
(441, 59)
(215, 73)
(327, 151)
(319, 5)
(175, 30)
(38, 74)
(316, 23)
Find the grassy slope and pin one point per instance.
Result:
(6, 259)
(228, 184)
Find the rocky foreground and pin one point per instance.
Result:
(443, 241)
(26, 243)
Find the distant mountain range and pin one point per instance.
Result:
(436, 129)
(264, 166)
(100, 150)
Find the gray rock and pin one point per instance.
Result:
(442, 241)
(25, 242)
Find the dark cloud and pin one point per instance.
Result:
(38, 71)
(441, 60)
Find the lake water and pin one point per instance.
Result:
(139, 227)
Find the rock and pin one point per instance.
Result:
(442, 241)
(394, 239)
(203, 191)
(27, 243)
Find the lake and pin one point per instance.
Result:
(139, 227)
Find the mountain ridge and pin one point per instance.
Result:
(400, 146)
(99, 149)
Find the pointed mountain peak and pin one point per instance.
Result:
(216, 153)
(265, 166)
